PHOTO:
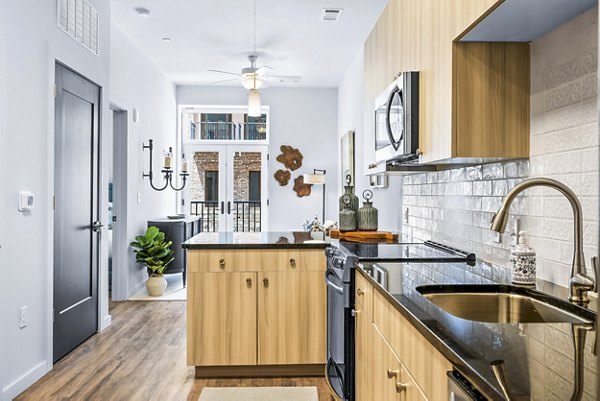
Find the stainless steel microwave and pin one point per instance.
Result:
(397, 119)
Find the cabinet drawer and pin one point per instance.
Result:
(363, 293)
(412, 392)
(246, 260)
(425, 363)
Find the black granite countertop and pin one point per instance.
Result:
(538, 357)
(259, 240)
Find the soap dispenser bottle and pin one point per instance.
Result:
(523, 262)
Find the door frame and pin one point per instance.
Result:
(120, 261)
(226, 152)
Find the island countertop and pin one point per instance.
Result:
(258, 240)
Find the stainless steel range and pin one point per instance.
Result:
(341, 259)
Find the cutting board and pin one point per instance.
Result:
(364, 235)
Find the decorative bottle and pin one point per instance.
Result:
(349, 190)
(367, 215)
(347, 218)
(523, 262)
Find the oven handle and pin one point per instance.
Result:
(328, 381)
(331, 284)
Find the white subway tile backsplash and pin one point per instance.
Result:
(456, 206)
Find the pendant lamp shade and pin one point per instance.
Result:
(254, 109)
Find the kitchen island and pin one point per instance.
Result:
(256, 304)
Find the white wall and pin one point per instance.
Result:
(355, 115)
(135, 82)
(29, 45)
(305, 118)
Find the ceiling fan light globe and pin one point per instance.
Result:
(252, 82)
(254, 106)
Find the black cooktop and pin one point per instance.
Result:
(427, 251)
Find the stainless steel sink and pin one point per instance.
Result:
(503, 304)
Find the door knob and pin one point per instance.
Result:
(249, 282)
(222, 263)
(359, 292)
(266, 282)
(392, 373)
(293, 262)
(400, 387)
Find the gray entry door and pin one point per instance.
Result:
(76, 152)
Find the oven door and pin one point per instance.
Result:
(336, 327)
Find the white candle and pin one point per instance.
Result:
(184, 166)
(167, 163)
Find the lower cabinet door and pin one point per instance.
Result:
(221, 319)
(363, 386)
(292, 326)
(387, 381)
(411, 391)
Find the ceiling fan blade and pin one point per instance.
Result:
(262, 68)
(226, 81)
(225, 72)
(284, 78)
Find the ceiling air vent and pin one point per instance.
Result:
(79, 20)
(331, 14)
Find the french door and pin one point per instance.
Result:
(228, 187)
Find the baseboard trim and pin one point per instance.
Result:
(24, 382)
(210, 372)
(105, 323)
(136, 289)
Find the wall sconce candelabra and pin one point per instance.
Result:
(167, 169)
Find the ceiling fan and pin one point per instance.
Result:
(254, 77)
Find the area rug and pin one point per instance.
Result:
(174, 292)
(259, 394)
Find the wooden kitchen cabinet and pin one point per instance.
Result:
(292, 318)
(386, 340)
(256, 308)
(474, 98)
(221, 319)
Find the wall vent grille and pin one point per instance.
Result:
(79, 20)
(331, 14)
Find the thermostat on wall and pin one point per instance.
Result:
(25, 201)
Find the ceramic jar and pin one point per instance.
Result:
(367, 215)
(349, 190)
(347, 217)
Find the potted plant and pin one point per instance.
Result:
(155, 253)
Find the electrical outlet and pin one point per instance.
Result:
(513, 230)
(406, 215)
(23, 316)
(139, 198)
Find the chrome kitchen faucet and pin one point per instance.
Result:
(580, 282)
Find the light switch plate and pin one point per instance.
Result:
(26, 201)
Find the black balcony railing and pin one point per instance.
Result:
(209, 213)
(246, 215)
(228, 131)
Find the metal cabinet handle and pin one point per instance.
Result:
(359, 292)
(222, 263)
(249, 282)
(293, 262)
(372, 165)
(400, 387)
(222, 207)
(97, 226)
(266, 282)
(393, 373)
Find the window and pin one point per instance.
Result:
(211, 185)
(254, 186)
(202, 123)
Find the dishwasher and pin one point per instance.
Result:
(459, 388)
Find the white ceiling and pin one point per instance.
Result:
(217, 34)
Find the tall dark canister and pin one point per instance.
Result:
(349, 190)
(367, 215)
(347, 218)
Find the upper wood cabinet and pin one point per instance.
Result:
(474, 97)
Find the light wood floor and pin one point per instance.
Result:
(140, 357)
